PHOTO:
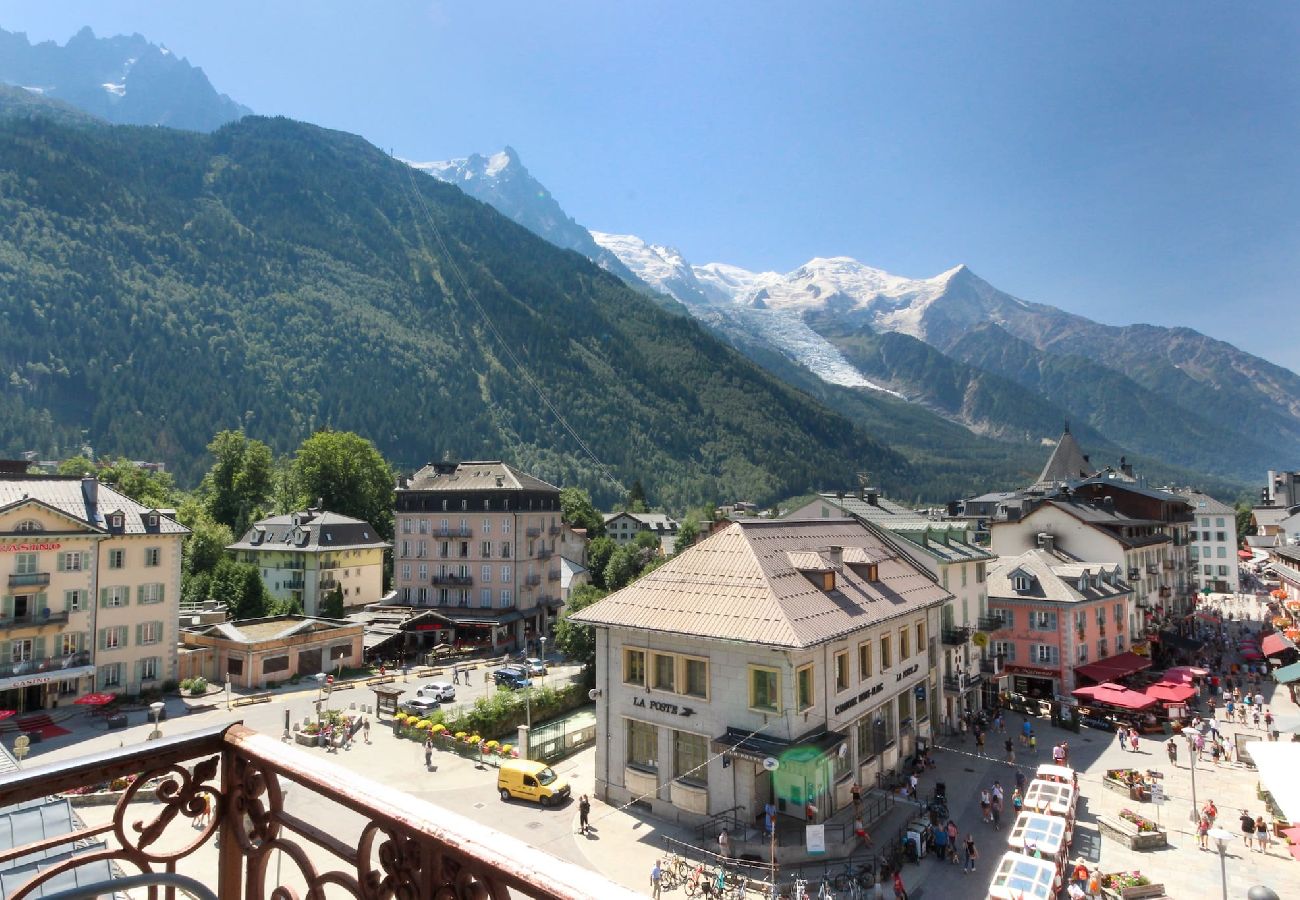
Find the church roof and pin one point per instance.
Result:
(1067, 463)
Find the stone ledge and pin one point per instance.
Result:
(1127, 832)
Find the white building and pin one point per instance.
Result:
(623, 527)
(1213, 542)
(813, 643)
(947, 550)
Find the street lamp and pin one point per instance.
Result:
(1260, 892)
(1221, 837)
(156, 708)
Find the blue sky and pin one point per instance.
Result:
(1127, 161)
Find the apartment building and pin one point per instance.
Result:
(91, 591)
(1212, 543)
(478, 540)
(812, 643)
(1057, 613)
(946, 549)
(304, 556)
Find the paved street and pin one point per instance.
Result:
(624, 846)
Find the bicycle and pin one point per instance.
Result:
(849, 878)
(700, 883)
(673, 872)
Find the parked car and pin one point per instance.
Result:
(535, 666)
(438, 690)
(419, 705)
(531, 780)
(511, 678)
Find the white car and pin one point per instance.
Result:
(535, 666)
(438, 690)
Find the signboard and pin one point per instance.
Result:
(1157, 793)
(980, 639)
(30, 548)
(816, 838)
(22, 681)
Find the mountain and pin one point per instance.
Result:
(121, 79)
(502, 182)
(158, 285)
(1012, 368)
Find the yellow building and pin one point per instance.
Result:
(92, 584)
(305, 555)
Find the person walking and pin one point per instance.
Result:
(455, 674)
(1033, 743)
(365, 729)
(1011, 751)
(1172, 747)
(1065, 753)
(1120, 734)
(953, 836)
(1203, 831)
(656, 880)
(900, 892)
(979, 743)
(985, 803)
(1025, 730)
(971, 854)
(584, 814)
(428, 753)
(1080, 876)
(1262, 834)
(724, 844)
(1133, 739)
(1247, 829)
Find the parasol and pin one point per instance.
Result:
(6, 713)
(99, 699)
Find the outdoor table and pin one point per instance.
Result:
(1021, 877)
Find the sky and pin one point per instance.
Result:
(1131, 162)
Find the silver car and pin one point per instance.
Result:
(419, 705)
(535, 666)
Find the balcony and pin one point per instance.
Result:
(35, 620)
(532, 579)
(553, 575)
(29, 579)
(1134, 574)
(454, 531)
(554, 530)
(991, 666)
(295, 585)
(545, 553)
(533, 531)
(989, 623)
(1152, 568)
(454, 580)
(328, 584)
(46, 664)
(1167, 564)
(956, 637)
(381, 841)
(952, 684)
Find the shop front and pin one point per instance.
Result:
(1032, 681)
(36, 690)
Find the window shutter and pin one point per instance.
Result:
(43, 602)
(139, 594)
(162, 593)
(123, 634)
(103, 638)
(158, 631)
(103, 597)
(8, 606)
(60, 566)
(38, 648)
(139, 633)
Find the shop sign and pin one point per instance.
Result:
(29, 548)
(854, 701)
(659, 706)
(908, 672)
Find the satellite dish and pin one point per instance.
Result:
(844, 750)
(593, 693)
(771, 764)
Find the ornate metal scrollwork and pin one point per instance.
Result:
(183, 793)
(254, 805)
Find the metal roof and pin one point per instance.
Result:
(1053, 578)
(741, 585)
(86, 500)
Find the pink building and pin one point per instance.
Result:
(1057, 613)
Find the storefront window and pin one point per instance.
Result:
(690, 758)
(764, 689)
(642, 745)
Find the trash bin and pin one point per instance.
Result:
(1169, 728)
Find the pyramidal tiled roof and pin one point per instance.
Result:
(1067, 462)
(747, 583)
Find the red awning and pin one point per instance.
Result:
(95, 699)
(1245, 554)
(1275, 644)
(1113, 667)
(1169, 692)
(1115, 695)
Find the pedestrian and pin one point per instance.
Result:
(1262, 834)
(900, 892)
(1120, 735)
(1011, 751)
(1211, 811)
(724, 844)
(1020, 781)
(1065, 753)
(1216, 751)
(1255, 714)
(1017, 801)
(1075, 892)
(1133, 739)
(1094, 883)
(941, 843)
(811, 812)
(860, 830)
(365, 729)
(999, 724)
(455, 674)
(1268, 721)
(656, 880)
(953, 835)
(1033, 743)
(1172, 747)
(912, 785)
(1080, 876)
(996, 810)
(856, 793)
(1026, 729)
(205, 815)
(1058, 754)
(1202, 831)
(979, 743)
(1259, 699)
(961, 727)
(971, 854)
(584, 814)
(985, 803)
(428, 753)
(1247, 829)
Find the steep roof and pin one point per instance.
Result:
(1053, 577)
(742, 584)
(943, 539)
(481, 475)
(86, 500)
(1067, 463)
(311, 529)
(1205, 505)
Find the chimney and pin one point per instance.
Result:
(836, 555)
(1108, 502)
(1126, 467)
(873, 496)
(90, 492)
(1047, 541)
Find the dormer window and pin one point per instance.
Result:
(153, 520)
(1021, 583)
(116, 521)
(1083, 582)
(29, 525)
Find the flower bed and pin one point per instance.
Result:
(1134, 831)
(1143, 824)
(105, 793)
(1129, 886)
(1129, 782)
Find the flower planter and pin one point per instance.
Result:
(307, 740)
(1128, 834)
(1140, 892)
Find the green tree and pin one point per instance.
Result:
(240, 586)
(636, 501)
(147, 487)
(574, 640)
(598, 553)
(205, 545)
(283, 606)
(331, 605)
(623, 567)
(578, 511)
(77, 465)
(687, 534)
(347, 475)
(1243, 523)
(239, 485)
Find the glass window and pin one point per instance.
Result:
(633, 667)
(904, 644)
(642, 745)
(152, 555)
(842, 671)
(904, 709)
(864, 660)
(691, 758)
(886, 654)
(803, 687)
(697, 677)
(920, 636)
(665, 672)
(25, 563)
(764, 689)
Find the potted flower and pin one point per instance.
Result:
(423, 725)
(506, 750)
(491, 746)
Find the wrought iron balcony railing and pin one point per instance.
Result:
(453, 579)
(990, 623)
(955, 637)
(29, 579)
(14, 668)
(44, 616)
(405, 847)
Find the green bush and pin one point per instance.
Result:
(198, 686)
(169, 686)
(500, 714)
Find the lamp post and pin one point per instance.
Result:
(1191, 756)
(542, 639)
(1262, 892)
(1221, 837)
(156, 708)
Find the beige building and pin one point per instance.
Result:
(479, 541)
(303, 556)
(91, 591)
(811, 642)
(255, 653)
